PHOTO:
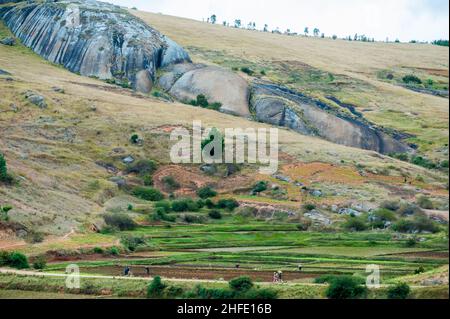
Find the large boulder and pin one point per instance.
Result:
(218, 85)
(94, 39)
(283, 107)
(174, 72)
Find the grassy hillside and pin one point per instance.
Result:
(354, 72)
(66, 160)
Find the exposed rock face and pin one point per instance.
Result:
(94, 39)
(185, 82)
(283, 107)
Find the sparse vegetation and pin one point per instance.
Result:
(148, 193)
(4, 175)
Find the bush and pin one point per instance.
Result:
(209, 204)
(259, 187)
(241, 284)
(132, 242)
(215, 214)
(185, 205)
(404, 226)
(205, 293)
(418, 224)
(411, 79)
(114, 251)
(329, 278)
(390, 204)
(170, 183)
(4, 176)
(119, 221)
(143, 167)
(98, 250)
(309, 207)
(148, 193)
(165, 205)
(424, 202)
(134, 138)
(34, 237)
(399, 291)
(229, 204)
(423, 162)
(156, 288)
(355, 224)
(345, 287)
(206, 192)
(407, 209)
(247, 70)
(40, 263)
(193, 219)
(18, 260)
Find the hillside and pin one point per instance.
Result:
(68, 161)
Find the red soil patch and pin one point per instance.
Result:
(174, 272)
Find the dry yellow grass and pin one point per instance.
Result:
(385, 104)
(53, 152)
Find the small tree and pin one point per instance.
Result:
(306, 31)
(399, 291)
(345, 287)
(40, 263)
(241, 284)
(215, 214)
(206, 192)
(237, 23)
(213, 19)
(119, 221)
(156, 288)
(4, 176)
(148, 193)
(18, 260)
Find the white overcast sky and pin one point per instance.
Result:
(423, 20)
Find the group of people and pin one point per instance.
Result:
(127, 271)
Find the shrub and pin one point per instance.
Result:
(148, 180)
(241, 284)
(215, 214)
(390, 204)
(119, 221)
(205, 293)
(407, 209)
(424, 202)
(206, 192)
(4, 176)
(404, 226)
(400, 156)
(308, 207)
(98, 250)
(411, 79)
(345, 287)
(329, 278)
(40, 263)
(134, 138)
(209, 204)
(193, 219)
(247, 70)
(156, 288)
(143, 167)
(259, 187)
(399, 291)
(34, 237)
(419, 224)
(185, 205)
(419, 270)
(165, 205)
(170, 183)
(148, 193)
(18, 260)
(114, 251)
(132, 242)
(130, 207)
(355, 224)
(423, 162)
(229, 204)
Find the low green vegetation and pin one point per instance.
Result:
(14, 259)
(5, 177)
(345, 287)
(203, 102)
(399, 291)
(148, 193)
(119, 221)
